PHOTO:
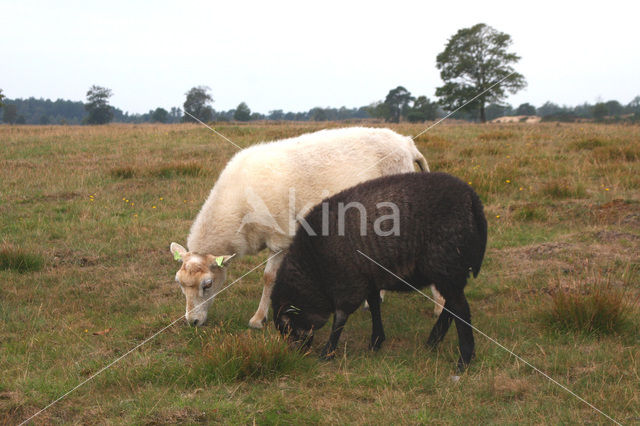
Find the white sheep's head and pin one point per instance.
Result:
(201, 277)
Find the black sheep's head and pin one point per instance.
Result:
(296, 325)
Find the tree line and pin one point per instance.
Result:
(476, 67)
(398, 105)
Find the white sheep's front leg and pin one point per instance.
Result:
(437, 309)
(260, 317)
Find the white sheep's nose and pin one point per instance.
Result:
(193, 322)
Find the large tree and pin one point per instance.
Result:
(473, 61)
(198, 104)
(100, 112)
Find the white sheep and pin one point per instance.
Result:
(263, 194)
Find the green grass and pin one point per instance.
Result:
(163, 171)
(560, 190)
(594, 305)
(229, 357)
(13, 259)
(602, 311)
(87, 215)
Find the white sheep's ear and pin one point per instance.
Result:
(221, 261)
(178, 251)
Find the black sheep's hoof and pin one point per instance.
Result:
(432, 345)
(376, 344)
(462, 365)
(327, 355)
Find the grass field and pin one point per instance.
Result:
(87, 215)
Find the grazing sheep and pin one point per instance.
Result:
(437, 234)
(263, 194)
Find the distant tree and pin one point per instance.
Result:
(1, 98)
(10, 113)
(100, 112)
(242, 112)
(473, 60)
(378, 110)
(318, 114)
(526, 109)
(549, 108)
(198, 104)
(44, 119)
(276, 114)
(614, 108)
(634, 105)
(175, 114)
(397, 104)
(160, 115)
(422, 110)
(600, 111)
(582, 111)
(225, 115)
(21, 120)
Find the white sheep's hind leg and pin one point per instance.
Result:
(260, 317)
(437, 309)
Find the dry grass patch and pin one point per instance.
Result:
(495, 135)
(248, 355)
(617, 212)
(562, 189)
(587, 144)
(529, 212)
(508, 388)
(15, 259)
(596, 306)
(617, 152)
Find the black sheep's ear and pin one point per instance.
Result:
(294, 310)
(283, 324)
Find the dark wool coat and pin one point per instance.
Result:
(442, 237)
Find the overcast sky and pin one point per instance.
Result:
(297, 55)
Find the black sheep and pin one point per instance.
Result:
(439, 238)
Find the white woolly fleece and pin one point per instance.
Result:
(249, 206)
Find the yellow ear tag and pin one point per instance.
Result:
(219, 260)
(177, 256)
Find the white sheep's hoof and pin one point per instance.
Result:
(256, 323)
(455, 379)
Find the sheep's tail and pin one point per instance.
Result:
(481, 234)
(419, 159)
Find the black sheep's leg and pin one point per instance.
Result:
(441, 326)
(339, 320)
(377, 333)
(460, 307)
